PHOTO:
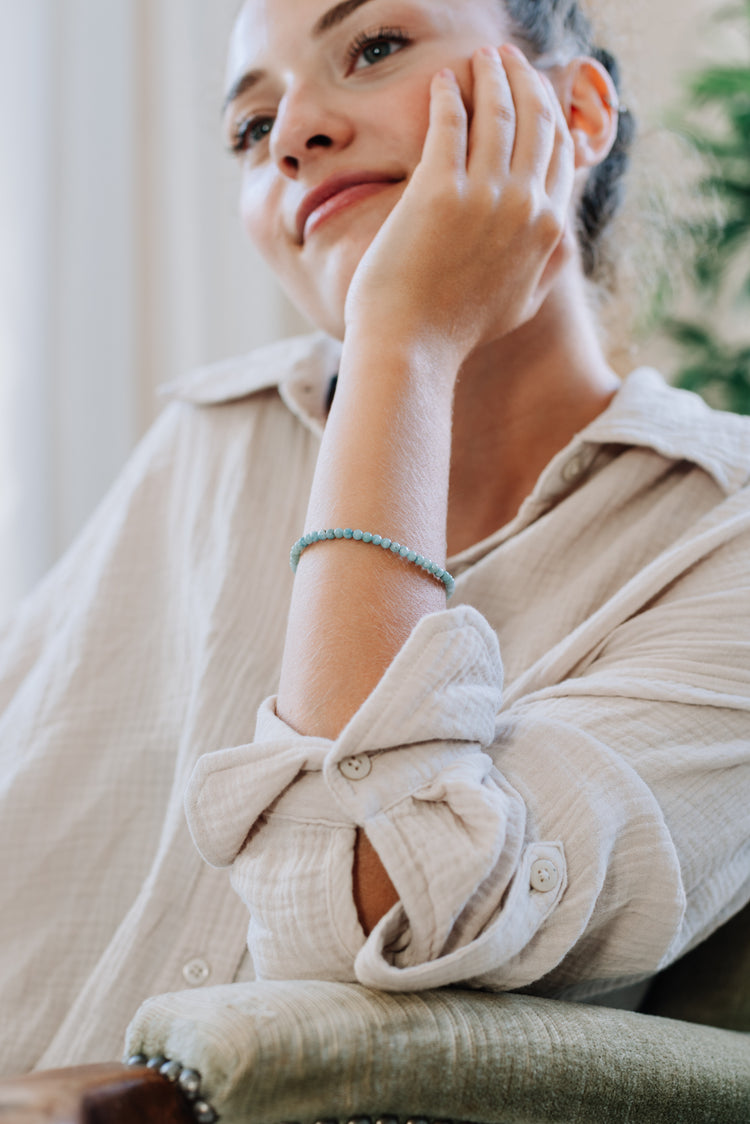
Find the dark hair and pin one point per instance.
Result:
(559, 28)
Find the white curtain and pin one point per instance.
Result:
(122, 262)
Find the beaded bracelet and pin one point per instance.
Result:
(404, 552)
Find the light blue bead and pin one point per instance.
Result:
(357, 535)
(395, 547)
(310, 538)
(411, 556)
(348, 533)
(386, 544)
(419, 560)
(339, 533)
(367, 537)
(404, 551)
(321, 536)
(376, 540)
(331, 534)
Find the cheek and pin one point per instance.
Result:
(260, 211)
(400, 117)
(403, 117)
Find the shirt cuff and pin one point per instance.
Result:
(444, 686)
(409, 770)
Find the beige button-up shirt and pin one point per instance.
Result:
(555, 771)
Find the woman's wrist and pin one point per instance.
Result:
(397, 359)
(385, 455)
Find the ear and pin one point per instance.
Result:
(590, 102)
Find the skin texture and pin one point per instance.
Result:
(451, 398)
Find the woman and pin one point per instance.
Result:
(430, 198)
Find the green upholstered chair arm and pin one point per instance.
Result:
(308, 1051)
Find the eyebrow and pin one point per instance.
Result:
(240, 87)
(334, 16)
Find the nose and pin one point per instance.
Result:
(306, 123)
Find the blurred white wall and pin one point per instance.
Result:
(122, 263)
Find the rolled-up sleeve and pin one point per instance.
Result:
(411, 770)
(472, 812)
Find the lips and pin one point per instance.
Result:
(334, 194)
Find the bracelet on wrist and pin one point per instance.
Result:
(431, 568)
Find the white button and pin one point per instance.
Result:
(196, 972)
(356, 768)
(576, 466)
(544, 876)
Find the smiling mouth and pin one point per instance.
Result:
(335, 197)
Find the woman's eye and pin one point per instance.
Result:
(250, 132)
(367, 50)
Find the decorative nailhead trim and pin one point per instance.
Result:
(188, 1081)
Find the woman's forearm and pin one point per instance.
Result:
(383, 467)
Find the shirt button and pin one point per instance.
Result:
(544, 876)
(576, 466)
(356, 768)
(196, 972)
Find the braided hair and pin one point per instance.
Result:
(560, 28)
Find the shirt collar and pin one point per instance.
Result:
(645, 412)
(648, 412)
(301, 368)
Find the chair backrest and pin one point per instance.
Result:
(711, 984)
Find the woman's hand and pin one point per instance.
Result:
(470, 250)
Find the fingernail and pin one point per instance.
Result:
(447, 75)
(512, 49)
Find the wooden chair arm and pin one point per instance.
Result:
(93, 1094)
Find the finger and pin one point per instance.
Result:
(447, 133)
(493, 125)
(535, 116)
(561, 169)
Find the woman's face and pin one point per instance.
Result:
(327, 107)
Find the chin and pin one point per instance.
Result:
(324, 310)
(320, 294)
